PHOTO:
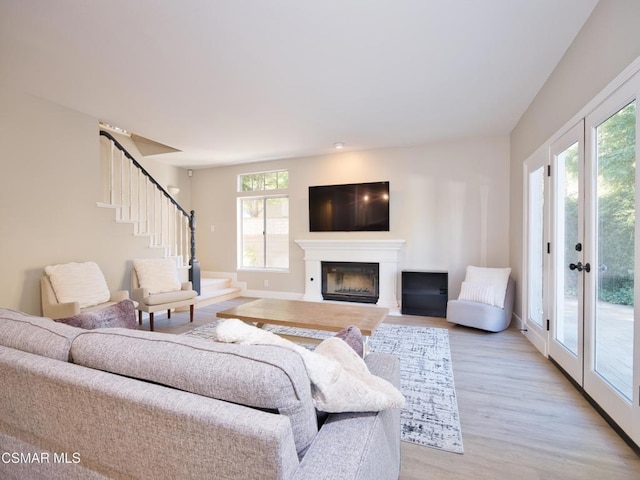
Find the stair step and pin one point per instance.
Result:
(215, 296)
(212, 284)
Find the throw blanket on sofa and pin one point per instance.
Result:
(118, 315)
(340, 380)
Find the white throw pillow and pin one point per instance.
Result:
(78, 282)
(498, 277)
(477, 292)
(341, 379)
(158, 275)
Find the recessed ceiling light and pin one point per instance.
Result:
(338, 145)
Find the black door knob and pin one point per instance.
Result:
(580, 267)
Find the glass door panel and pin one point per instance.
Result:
(536, 246)
(566, 339)
(568, 312)
(611, 330)
(595, 334)
(615, 256)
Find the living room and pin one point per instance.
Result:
(455, 201)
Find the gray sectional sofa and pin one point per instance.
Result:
(119, 403)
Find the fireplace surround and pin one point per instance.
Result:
(385, 253)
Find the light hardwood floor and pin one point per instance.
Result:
(521, 418)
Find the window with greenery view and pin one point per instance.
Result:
(263, 207)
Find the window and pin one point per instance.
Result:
(263, 208)
(536, 245)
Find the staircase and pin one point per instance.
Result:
(138, 199)
(218, 287)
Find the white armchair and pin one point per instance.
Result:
(156, 287)
(485, 301)
(71, 288)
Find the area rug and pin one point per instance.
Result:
(430, 417)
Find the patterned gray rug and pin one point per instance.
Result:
(430, 417)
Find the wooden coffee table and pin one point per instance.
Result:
(310, 315)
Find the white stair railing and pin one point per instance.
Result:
(140, 200)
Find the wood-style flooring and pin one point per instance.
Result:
(521, 418)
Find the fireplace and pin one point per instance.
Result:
(384, 252)
(350, 281)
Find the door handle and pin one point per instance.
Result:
(580, 267)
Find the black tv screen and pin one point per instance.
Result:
(362, 207)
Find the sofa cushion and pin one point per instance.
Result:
(157, 275)
(340, 380)
(38, 335)
(121, 314)
(78, 282)
(264, 377)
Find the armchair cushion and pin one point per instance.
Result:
(157, 275)
(170, 297)
(78, 282)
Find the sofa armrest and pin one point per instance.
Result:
(362, 446)
(187, 286)
(119, 296)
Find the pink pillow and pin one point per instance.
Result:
(352, 337)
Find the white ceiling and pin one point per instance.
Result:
(229, 81)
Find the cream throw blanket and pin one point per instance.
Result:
(340, 379)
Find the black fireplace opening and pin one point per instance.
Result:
(350, 281)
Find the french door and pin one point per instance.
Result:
(595, 251)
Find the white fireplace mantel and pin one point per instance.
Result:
(384, 252)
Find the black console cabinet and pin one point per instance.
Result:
(425, 293)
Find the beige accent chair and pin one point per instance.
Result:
(71, 288)
(156, 287)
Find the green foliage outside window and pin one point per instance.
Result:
(258, 182)
(616, 144)
(616, 170)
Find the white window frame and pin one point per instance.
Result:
(264, 195)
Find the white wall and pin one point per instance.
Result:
(606, 45)
(449, 201)
(50, 186)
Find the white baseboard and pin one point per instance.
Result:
(537, 340)
(519, 323)
(272, 294)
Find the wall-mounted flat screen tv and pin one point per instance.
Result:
(361, 207)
